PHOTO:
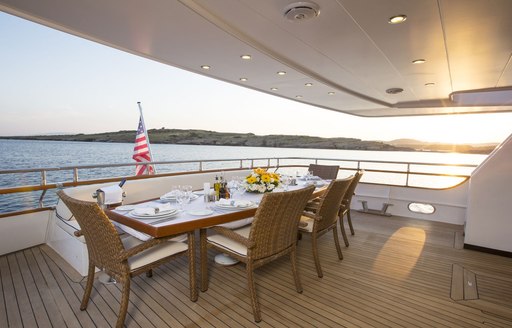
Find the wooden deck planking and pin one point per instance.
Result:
(411, 290)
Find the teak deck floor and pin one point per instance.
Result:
(395, 273)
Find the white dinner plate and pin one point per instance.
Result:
(200, 212)
(156, 216)
(139, 212)
(126, 207)
(233, 207)
(193, 196)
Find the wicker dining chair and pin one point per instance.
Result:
(272, 234)
(121, 259)
(345, 206)
(322, 216)
(327, 172)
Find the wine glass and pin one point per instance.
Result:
(240, 186)
(233, 187)
(183, 196)
(286, 180)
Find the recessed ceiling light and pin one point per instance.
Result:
(205, 67)
(281, 73)
(397, 19)
(330, 93)
(273, 89)
(430, 84)
(243, 79)
(394, 91)
(419, 61)
(246, 57)
(309, 84)
(298, 96)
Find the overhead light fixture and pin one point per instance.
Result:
(273, 89)
(205, 67)
(298, 96)
(246, 57)
(330, 93)
(419, 61)
(397, 19)
(430, 84)
(309, 84)
(281, 73)
(301, 11)
(394, 91)
(243, 79)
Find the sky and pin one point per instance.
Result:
(53, 82)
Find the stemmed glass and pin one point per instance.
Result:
(183, 196)
(286, 180)
(233, 187)
(241, 187)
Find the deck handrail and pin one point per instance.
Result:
(239, 163)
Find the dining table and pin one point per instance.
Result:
(192, 216)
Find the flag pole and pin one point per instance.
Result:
(147, 135)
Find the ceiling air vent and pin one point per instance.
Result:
(301, 11)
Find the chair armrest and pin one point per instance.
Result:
(78, 233)
(233, 235)
(124, 255)
(311, 215)
(313, 205)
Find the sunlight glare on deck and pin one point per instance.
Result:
(415, 240)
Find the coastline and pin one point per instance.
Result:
(212, 138)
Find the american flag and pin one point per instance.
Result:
(141, 152)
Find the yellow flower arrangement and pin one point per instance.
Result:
(262, 181)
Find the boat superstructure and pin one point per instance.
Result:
(351, 56)
(446, 57)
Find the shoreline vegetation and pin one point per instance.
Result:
(204, 137)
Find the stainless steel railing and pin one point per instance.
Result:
(407, 174)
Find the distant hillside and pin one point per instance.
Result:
(202, 137)
(417, 145)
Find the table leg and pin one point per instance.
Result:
(192, 265)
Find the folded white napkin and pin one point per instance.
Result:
(162, 207)
(235, 203)
(144, 211)
(224, 201)
(170, 194)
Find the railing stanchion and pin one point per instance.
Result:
(43, 178)
(407, 176)
(75, 174)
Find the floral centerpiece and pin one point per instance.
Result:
(261, 181)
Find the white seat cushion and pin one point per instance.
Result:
(152, 254)
(309, 222)
(237, 224)
(229, 244)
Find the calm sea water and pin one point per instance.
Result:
(20, 154)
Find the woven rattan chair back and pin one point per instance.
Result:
(276, 221)
(330, 202)
(327, 172)
(345, 206)
(101, 237)
(347, 199)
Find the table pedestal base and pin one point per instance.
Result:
(224, 259)
(105, 278)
